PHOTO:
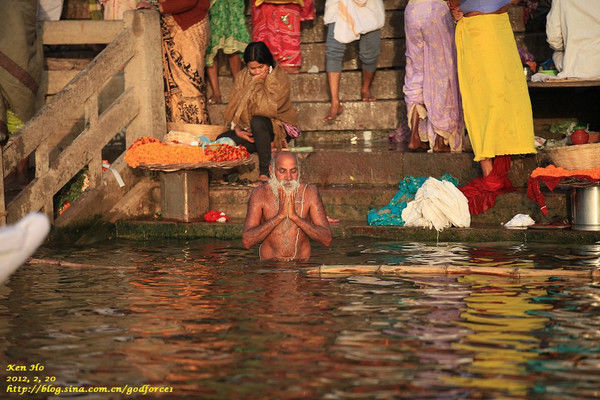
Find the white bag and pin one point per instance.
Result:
(357, 17)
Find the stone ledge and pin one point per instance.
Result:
(143, 230)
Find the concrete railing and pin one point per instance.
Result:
(135, 46)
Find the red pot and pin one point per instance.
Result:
(580, 136)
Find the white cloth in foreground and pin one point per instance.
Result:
(573, 31)
(19, 241)
(437, 204)
(353, 18)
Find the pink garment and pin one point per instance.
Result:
(431, 79)
(278, 25)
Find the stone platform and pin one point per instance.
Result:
(152, 230)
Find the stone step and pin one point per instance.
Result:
(382, 167)
(477, 233)
(305, 87)
(350, 203)
(357, 115)
(388, 4)
(391, 54)
(316, 31)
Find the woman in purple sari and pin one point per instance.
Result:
(431, 83)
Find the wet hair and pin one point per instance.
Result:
(283, 153)
(259, 52)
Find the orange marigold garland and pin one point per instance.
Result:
(149, 150)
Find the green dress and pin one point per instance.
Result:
(228, 31)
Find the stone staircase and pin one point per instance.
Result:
(352, 161)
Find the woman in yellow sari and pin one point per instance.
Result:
(495, 99)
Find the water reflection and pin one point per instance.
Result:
(210, 320)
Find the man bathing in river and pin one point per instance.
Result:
(284, 214)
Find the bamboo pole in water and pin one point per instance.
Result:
(61, 263)
(445, 269)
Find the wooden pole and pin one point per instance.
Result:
(68, 264)
(444, 269)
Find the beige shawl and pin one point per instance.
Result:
(268, 98)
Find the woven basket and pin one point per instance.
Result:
(210, 131)
(206, 165)
(576, 157)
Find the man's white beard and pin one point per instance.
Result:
(288, 186)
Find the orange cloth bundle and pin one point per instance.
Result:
(552, 176)
(559, 172)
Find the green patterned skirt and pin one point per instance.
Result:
(228, 31)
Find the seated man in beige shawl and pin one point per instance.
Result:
(260, 111)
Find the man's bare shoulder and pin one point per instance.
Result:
(310, 190)
(260, 193)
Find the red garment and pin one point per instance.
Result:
(552, 176)
(278, 25)
(186, 12)
(482, 192)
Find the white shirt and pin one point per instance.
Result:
(573, 30)
(331, 9)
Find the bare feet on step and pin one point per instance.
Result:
(417, 146)
(215, 99)
(440, 146)
(367, 96)
(334, 111)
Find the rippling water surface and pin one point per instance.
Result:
(211, 321)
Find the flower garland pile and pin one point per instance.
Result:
(149, 150)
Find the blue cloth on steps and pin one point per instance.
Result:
(391, 214)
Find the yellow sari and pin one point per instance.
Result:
(496, 104)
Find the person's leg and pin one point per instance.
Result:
(262, 132)
(486, 166)
(235, 64)
(368, 47)
(213, 79)
(334, 55)
(415, 142)
(440, 145)
(335, 109)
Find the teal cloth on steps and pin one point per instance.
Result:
(391, 214)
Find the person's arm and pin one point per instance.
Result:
(255, 232)
(315, 226)
(269, 96)
(553, 27)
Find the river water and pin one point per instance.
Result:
(208, 320)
